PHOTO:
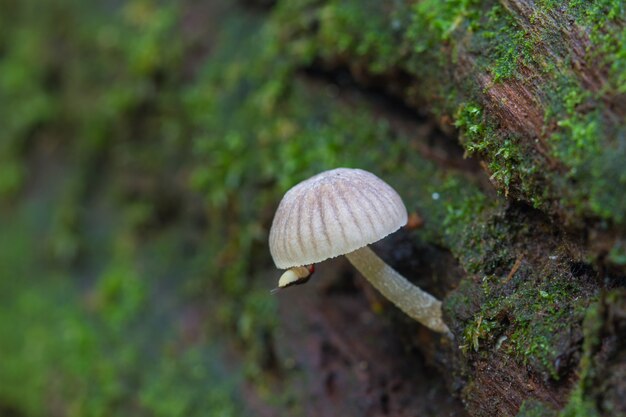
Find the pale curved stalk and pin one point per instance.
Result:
(411, 299)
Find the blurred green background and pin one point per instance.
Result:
(144, 145)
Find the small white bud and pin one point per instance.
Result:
(293, 275)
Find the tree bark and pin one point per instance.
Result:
(534, 92)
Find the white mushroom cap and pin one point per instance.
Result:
(331, 214)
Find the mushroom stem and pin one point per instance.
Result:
(411, 299)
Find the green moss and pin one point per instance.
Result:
(577, 134)
(96, 331)
(481, 26)
(462, 205)
(25, 100)
(617, 255)
(578, 406)
(575, 112)
(534, 339)
(167, 392)
(509, 167)
(434, 22)
(508, 46)
(12, 175)
(360, 29)
(92, 347)
(534, 408)
(578, 138)
(617, 62)
(537, 309)
(239, 133)
(464, 301)
(477, 330)
(579, 403)
(238, 129)
(528, 314)
(584, 140)
(579, 141)
(469, 118)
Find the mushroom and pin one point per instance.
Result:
(340, 212)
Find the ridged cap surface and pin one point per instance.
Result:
(331, 214)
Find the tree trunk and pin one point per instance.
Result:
(534, 93)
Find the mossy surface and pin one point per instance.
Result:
(530, 308)
(106, 338)
(520, 54)
(160, 190)
(138, 179)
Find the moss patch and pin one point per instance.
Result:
(512, 49)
